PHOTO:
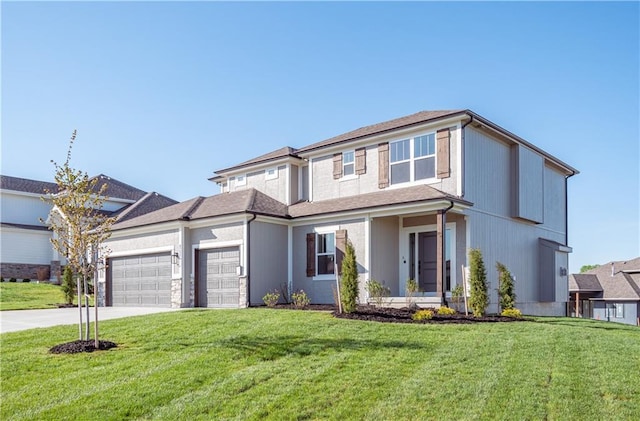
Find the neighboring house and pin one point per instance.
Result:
(413, 195)
(609, 292)
(25, 242)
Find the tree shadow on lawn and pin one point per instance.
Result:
(271, 348)
(586, 323)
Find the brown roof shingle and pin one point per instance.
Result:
(26, 185)
(271, 156)
(621, 285)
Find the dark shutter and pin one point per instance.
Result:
(341, 248)
(443, 157)
(337, 166)
(361, 161)
(383, 165)
(311, 254)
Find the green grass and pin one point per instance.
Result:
(279, 364)
(29, 295)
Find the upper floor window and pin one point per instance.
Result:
(271, 173)
(241, 180)
(348, 163)
(413, 159)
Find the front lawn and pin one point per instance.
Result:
(282, 364)
(29, 295)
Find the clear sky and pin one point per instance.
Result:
(164, 94)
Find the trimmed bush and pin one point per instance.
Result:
(506, 290)
(422, 315)
(26, 280)
(1, 279)
(68, 285)
(446, 311)
(512, 312)
(349, 282)
(479, 299)
(300, 299)
(377, 292)
(271, 298)
(13, 280)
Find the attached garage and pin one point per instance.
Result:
(140, 281)
(218, 282)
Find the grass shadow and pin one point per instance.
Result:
(586, 323)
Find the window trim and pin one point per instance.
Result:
(243, 182)
(273, 176)
(352, 163)
(324, 231)
(413, 159)
(618, 310)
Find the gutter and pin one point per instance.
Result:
(248, 248)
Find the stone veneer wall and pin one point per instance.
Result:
(176, 293)
(27, 271)
(242, 292)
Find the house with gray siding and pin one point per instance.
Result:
(412, 195)
(608, 292)
(25, 241)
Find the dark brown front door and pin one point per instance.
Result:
(427, 261)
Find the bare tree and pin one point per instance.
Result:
(80, 228)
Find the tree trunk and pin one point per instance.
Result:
(86, 303)
(95, 304)
(79, 285)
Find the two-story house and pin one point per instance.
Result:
(413, 195)
(25, 241)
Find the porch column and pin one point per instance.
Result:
(441, 220)
(577, 304)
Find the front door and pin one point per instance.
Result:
(427, 261)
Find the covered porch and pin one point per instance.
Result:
(428, 247)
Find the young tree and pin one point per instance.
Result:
(349, 284)
(506, 289)
(80, 226)
(479, 299)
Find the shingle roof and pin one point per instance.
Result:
(244, 201)
(421, 193)
(25, 226)
(151, 202)
(622, 285)
(584, 283)
(26, 185)
(397, 123)
(117, 189)
(271, 156)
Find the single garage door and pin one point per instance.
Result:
(143, 280)
(218, 281)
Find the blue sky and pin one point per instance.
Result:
(163, 94)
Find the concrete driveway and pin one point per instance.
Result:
(12, 321)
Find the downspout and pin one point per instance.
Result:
(248, 248)
(443, 265)
(462, 143)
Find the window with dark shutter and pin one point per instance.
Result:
(383, 165)
(361, 161)
(311, 254)
(443, 158)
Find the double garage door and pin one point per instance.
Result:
(141, 281)
(218, 283)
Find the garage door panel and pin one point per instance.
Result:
(141, 280)
(218, 280)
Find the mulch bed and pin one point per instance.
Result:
(403, 315)
(81, 346)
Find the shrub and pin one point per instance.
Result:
(411, 288)
(422, 315)
(506, 289)
(512, 312)
(1, 279)
(300, 299)
(271, 298)
(349, 282)
(446, 311)
(284, 292)
(378, 292)
(479, 299)
(13, 280)
(26, 280)
(456, 295)
(68, 285)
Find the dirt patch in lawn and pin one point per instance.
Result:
(76, 347)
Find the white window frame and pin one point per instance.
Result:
(241, 180)
(324, 231)
(352, 163)
(412, 159)
(618, 310)
(273, 176)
